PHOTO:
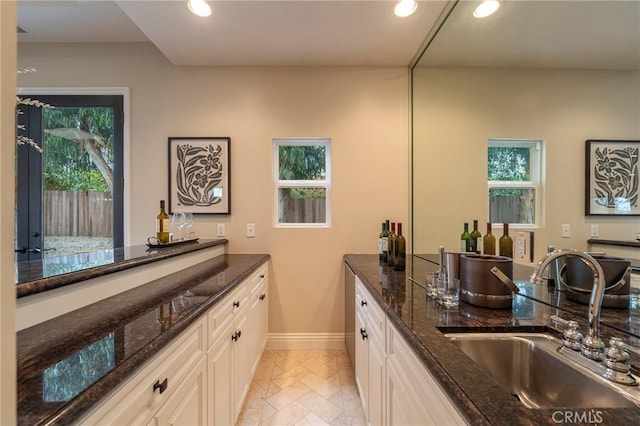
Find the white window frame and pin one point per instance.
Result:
(537, 178)
(281, 184)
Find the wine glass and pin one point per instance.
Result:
(179, 220)
(188, 223)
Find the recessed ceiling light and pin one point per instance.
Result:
(405, 8)
(486, 8)
(199, 7)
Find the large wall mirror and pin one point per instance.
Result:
(559, 72)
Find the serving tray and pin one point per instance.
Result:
(158, 244)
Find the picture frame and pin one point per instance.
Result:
(612, 178)
(199, 175)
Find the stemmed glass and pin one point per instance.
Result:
(179, 220)
(188, 223)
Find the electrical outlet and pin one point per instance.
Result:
(566, 230)
(595, 230)
(220, 230)
(251, 230)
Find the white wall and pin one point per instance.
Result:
(458, 109)
(363, 110)
(7, 200)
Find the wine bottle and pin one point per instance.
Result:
(392, 245)
(506, 242)
(465, 239)
(162, 225)
(476, 239)
(380, 240)
(400, 248)
(489, 241)
(385, 243)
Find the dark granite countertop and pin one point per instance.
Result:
(46, 274)
(114, 337)
(422, 323)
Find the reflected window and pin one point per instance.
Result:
(66, 379)
(514, 169)
(302, 178)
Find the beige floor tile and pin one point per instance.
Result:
(298, 388)
(287, 395)
(325, 387)
(311, 420)
(289, 415)
(320, 406)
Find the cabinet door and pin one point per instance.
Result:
(242, 367)
(254, 330)
(188, 404)
(362, 359)
(220, 380)
(396, 400)
(376, 383)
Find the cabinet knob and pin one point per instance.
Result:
(261, 276)
(262, 296)
(235, 337)
(363, 303)
(162, 386)
(236, 304)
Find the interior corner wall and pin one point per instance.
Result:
(363, 110)
(8, 364)
(457, 110)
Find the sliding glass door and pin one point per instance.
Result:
(70, 196)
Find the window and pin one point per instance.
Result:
(515, 176)
(302, 177)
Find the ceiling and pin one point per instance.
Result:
(542, 34)
(241, 33)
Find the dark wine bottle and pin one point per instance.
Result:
(506, 242)
(392, 245)
(380, 240)
(385, 243)
(400, 248)
(475, 242)
(465, 244)
(489, 241)
(162, 225)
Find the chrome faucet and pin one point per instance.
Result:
(592, 345)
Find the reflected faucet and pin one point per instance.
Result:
(592, 345)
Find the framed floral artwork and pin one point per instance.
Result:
(611, 178)
(199, 179)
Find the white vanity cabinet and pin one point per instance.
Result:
(158, 393)
(203, 376)
(395, 388)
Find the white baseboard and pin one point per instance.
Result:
(305, 341)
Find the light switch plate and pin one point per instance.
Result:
(251, 230)
(566, 230)
(220, 230)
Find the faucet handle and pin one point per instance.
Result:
(617, 362)
(572, 335)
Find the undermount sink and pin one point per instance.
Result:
(540, 373)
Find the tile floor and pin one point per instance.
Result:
(303, 388)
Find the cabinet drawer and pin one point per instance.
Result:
(369, 308)
(259, 277)
(226, 310)
(138, 399)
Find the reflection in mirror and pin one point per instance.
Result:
(560, 72)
